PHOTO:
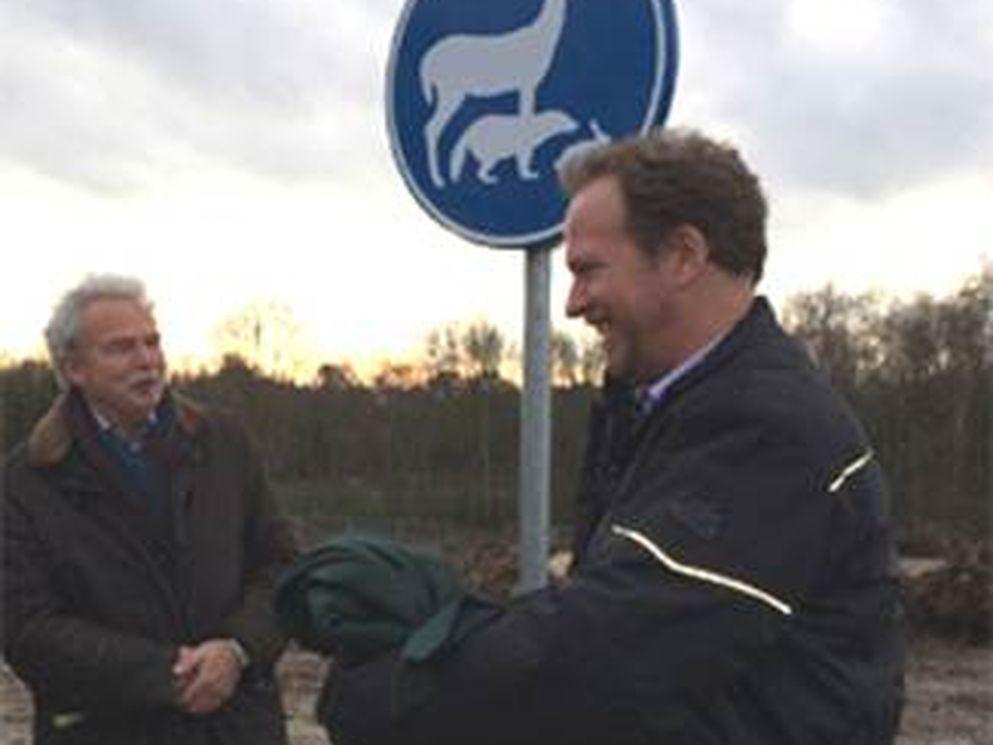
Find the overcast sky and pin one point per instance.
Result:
(235, 151)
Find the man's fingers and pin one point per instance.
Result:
(200, 695)
(214, 676)
(201, 698)
(186, 661)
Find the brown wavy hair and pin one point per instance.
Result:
(673, 177)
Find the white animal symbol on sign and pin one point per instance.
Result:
(496, 137)
(463, 65)
(487, 99)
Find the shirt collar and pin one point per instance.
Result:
(651, 394)
(107, 428)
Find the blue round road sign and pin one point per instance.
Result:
(486, 99)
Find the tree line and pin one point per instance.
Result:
(438, 438)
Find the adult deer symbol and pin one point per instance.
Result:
(464, 65)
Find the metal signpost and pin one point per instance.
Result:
(485, 101)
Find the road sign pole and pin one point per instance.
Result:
(479, 138)
(536, 423)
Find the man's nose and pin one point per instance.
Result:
(148, 354)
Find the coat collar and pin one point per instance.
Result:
(51, 439)
(758, 322)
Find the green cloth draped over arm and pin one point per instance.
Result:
(355, 597)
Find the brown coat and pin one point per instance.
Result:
(95, 606)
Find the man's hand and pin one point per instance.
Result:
(206, 675)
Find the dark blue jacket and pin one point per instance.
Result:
(735, 583)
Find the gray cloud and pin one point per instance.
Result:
(104, 92)
(113, 94)
(911, 105)
(252, 52)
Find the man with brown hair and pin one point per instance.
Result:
(734, 577)
(140, 547)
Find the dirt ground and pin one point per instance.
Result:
(949, 697)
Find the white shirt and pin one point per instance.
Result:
(650, 395)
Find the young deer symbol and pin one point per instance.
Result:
(463, 65)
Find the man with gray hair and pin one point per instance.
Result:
(140, 545)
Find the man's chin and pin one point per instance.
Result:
(147, 400)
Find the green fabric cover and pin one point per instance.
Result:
(355, 597)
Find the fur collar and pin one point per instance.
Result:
(51, 438)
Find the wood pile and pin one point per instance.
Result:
(487, 564)
(954, 599)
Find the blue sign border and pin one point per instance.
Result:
(656, 114)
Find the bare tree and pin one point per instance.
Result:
(592, 361)
(840, 331)
(268, 337)
(484, 347)
(331, 377)
(565, 358)
(442, 354)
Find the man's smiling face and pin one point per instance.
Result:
(617, 287)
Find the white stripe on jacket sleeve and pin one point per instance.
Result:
(850, 470)
(704, 575)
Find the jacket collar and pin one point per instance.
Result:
(52, 437)
(758, 321)
(619, 395)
